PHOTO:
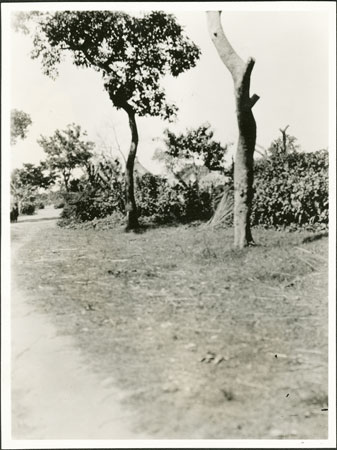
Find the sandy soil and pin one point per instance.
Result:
(54, 393)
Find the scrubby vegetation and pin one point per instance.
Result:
(290, 187)
(158, 201)
(291, 191)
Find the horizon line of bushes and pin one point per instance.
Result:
(290, 191)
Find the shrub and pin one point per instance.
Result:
(59, 203)
(90, 204)
(95, 196)
(111, 221)
(28, 208)
(292, 190)
(147, 192)
(157, 199)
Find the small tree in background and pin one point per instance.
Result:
(284, 144)
(131, 52)
(191, 152)
(67, 150)
(26, 183)
(20, 121)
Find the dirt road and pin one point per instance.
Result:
(54, 394)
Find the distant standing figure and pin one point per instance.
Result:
(14, 213)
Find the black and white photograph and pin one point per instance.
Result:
(168, 225)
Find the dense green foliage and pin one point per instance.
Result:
(188, 151)
(162, 202)
(101, 195)
(292, 190)
(132, 52)
(97, 194)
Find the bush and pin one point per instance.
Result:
(28, 208)
(59, 203)
(96, 196)
(147, 192)
(157, 199)
(90, 204)
(106, 223)
(292, 190)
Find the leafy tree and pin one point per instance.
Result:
(26, 182)
(284, 144)
(20, 121)
(66, 150)
(191, 152)
(36, 176)
(131, 52)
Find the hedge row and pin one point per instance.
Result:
(291, 190)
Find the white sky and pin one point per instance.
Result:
(291, 49)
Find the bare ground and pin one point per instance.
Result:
(186, 337)
(54, 393)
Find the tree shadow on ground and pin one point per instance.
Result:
(144, 227)
(315, 237)
(37, 219)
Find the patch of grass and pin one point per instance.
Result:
(148, 308)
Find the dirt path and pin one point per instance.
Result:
(54, 394)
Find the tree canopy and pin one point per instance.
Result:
(26, 183)
(20, 122)
(34, 176)
(131, 52)
(191, 151)
(67, 150)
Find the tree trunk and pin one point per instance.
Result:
(130, 203)
(244, 159)
(284, 139)
(66, 177)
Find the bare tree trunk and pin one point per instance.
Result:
(244, 159)
(130, 203)
(66, 177)
(284, 139)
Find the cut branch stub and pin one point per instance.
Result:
(244, 101)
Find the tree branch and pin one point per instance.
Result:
(285, 129)
(228, 55)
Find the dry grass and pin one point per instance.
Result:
(207, 342)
